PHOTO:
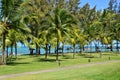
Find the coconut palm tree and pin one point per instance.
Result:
(61, 22)
(34, 12)
(7, 8)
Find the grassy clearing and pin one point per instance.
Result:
(109, 71)
(26, 63)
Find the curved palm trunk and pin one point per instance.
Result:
(3, 61)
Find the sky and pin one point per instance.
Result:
(100, 4)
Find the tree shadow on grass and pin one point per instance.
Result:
(109, 54)
(13, 59)
(89, 56)
(67, 57)
(16, 63)
(45, 60)
(81, 54)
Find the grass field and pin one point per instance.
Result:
(26, 63)
(109, 71)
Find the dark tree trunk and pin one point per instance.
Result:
(90, 47)
(3, 62)
(63, 49)
(101, 51)
(111, 49)
(46, 51)
(117, 47)
(7, 52)
(31, 51)
(37, 50)
(83, 48)
(15, 50)
(49, 49)
(73, 51)
(96, 48)
(57, 49)
(80, 49)
(11, 53)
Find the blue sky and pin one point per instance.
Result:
(100, 4)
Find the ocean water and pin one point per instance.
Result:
(67, 48)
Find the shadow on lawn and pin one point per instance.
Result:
(67, 57)
(45, 60)
(16, 63)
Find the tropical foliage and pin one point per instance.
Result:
(48, 23)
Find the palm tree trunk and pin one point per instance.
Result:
(80, 49)
(37, 50)
(7, 52)
(15, 50)
(73, 51)
(111, 49)
(3, 62)
(57, 49)
(46, 51)
(31, 51)
(11, 53)
(83, 48)
(90, 47)
(101, 51)
(117, 48)
(63, 49)
(49, 49)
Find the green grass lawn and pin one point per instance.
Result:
(26, 63)
(109, 71)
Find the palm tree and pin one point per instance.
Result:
(6, 8)
(13, 37)
(117, 35)
(34, 12)
(61, 22)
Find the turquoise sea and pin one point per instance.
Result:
(67, 48)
